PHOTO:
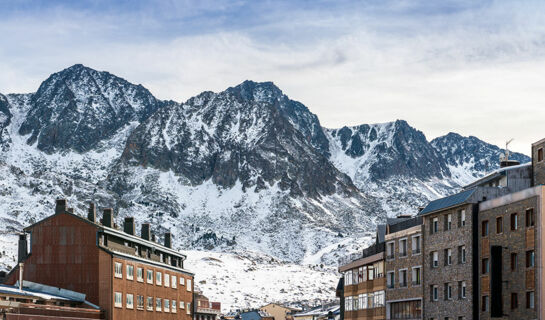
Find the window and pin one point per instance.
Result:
(448, 257)
(174, 282)
(499, 225)
(530, 303)
(379, 299)
(434, 293)
(139, 274)
(150, 276)
(158, 278)
(403, 247)
(130, 301)
(355, 303)
(434, 259)
(462, 218)
(149, 305)
(514, 300)
(118, 300)
(166, 304)
(158, 304)
(361, 276)
(188, 284)
(182, 281)
(173, 307)
(363, 303)
(530, 218)
(370, 300)
(182, 305)
(462, 254)
(364, 273)
(484, 304)
(484, 229)
(539, 154)
(514, 261)
(390, 279)
(514, 222)
(416, 246)
(188, 309)
(461, 289)
(140, 302)
(118, 270)
(435, 225)
(485, 268)
(403, 278)
(448, 221)
(448, 291)
(417, 276)
(390, 250)
(130, 272)
(167, 280)
(530, 259)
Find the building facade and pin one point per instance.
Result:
(404, 270)
(364, 285)
(129, 276)
(204, 308)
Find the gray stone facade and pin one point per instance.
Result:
(538, 163)
(517, 239)
(457, 273)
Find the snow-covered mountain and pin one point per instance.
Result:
(246, 172)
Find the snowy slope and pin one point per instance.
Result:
(247, 176)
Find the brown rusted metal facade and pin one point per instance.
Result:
(72, 252)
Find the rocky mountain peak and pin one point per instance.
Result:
(78, 107)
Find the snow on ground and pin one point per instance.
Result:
(252, 279)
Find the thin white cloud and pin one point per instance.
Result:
(465, 70)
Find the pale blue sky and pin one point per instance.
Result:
(461, 66)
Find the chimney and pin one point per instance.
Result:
(128, 225)
(60, 206)
(108, 218)
(21, 267)
(70, 210)
(152, 237)
(22, 250)
(508, 163)
(92, 213)
(168, 240)
(146, 231)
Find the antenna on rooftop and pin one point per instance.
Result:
(506, 155)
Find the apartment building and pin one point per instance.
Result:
(128, 276)
(204, 308)
(364, 284)
(450, 256)
(511, 250)
(404, 269)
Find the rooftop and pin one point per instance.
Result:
(447, 202)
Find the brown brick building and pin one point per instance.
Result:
(364, 285)
(404, 269)
(128, 276)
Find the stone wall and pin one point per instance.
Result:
(516, 241)
(439, 241)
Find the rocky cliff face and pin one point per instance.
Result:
(245, 169)
(78, 107)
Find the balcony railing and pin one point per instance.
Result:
(390, 286)
(416, 283)
(417, 251)
(208, 310)
(403, 284)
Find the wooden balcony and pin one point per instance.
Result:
(365, 287)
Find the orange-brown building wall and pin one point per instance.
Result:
(63, 254)
(135, 287)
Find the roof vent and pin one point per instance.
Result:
(146, 231)
(108, 217)
(128, 225)
(92, 213)
(168, 240)
(60, 206)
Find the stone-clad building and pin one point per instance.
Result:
(482, 250)
(404, 272)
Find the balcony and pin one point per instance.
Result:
(208, 310)
(206, 307)
(416, 283)
(403, 284)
